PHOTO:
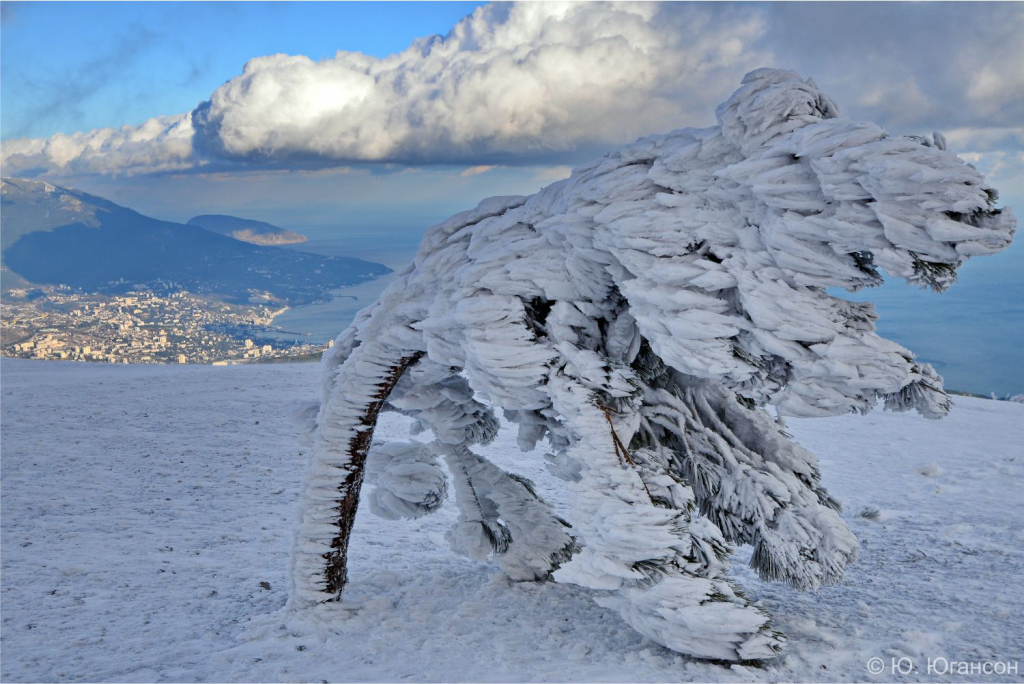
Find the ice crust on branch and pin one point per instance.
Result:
(410, 483)
(639, 317)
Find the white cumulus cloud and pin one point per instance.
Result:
(510, 81)
(160, 144)
(515, 80)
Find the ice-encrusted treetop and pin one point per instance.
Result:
(638, 316)
(722, 241)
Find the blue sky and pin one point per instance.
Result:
(75, 66)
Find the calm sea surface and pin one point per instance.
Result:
(393, 247)
(973, 335)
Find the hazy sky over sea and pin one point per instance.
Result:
(391, 116)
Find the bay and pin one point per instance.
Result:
(393, 246)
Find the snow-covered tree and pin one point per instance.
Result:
(640, 316)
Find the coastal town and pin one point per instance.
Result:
(144, 325)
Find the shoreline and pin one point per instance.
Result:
(323, 320)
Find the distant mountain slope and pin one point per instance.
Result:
(55, 235)
(247, 230)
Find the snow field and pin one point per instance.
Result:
(143, 506)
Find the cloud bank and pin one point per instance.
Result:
(524, 82)
(160, 144)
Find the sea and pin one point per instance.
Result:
(972, 334)
(317, 323)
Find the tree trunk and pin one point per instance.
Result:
(346, 425)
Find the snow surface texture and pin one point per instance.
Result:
(639, 316)
(140, 518)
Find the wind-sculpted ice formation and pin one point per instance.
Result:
(639, 316)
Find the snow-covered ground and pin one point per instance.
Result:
(147, 514)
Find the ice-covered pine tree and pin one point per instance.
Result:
(639, 316)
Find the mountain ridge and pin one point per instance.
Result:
(62, 236)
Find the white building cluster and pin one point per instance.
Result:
(143, 326)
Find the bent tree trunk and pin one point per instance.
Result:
(331, 497)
